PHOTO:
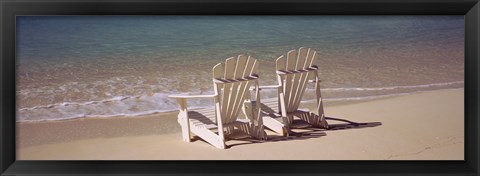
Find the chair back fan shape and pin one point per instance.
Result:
(297, 68)
(232, 82)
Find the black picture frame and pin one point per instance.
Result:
(11, 8)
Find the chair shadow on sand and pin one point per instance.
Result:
(349, 124)
(300, 131)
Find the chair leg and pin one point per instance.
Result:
(183, 120)
(209, 137)
(185, 129)
(275, 125)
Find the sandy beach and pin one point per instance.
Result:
(420, 126)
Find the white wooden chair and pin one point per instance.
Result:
(232, 87)
(294, 72)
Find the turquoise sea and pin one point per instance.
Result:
(103, 66)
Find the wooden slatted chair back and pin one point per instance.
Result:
(293, 73)
(232, 83)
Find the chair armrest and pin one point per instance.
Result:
(192, 96)
(270, 87)
(266, 87)
(313, 81)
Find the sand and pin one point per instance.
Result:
(421, 126)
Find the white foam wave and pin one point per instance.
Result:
(119, 98)
(98, 116)
(392, 87)
(117, 106)
(159, 102)
(373, 97)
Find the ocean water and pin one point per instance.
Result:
(102, 66)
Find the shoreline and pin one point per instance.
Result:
(92, 138)
(327, 101)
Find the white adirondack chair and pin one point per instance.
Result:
(293, 74)
(232, 93)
